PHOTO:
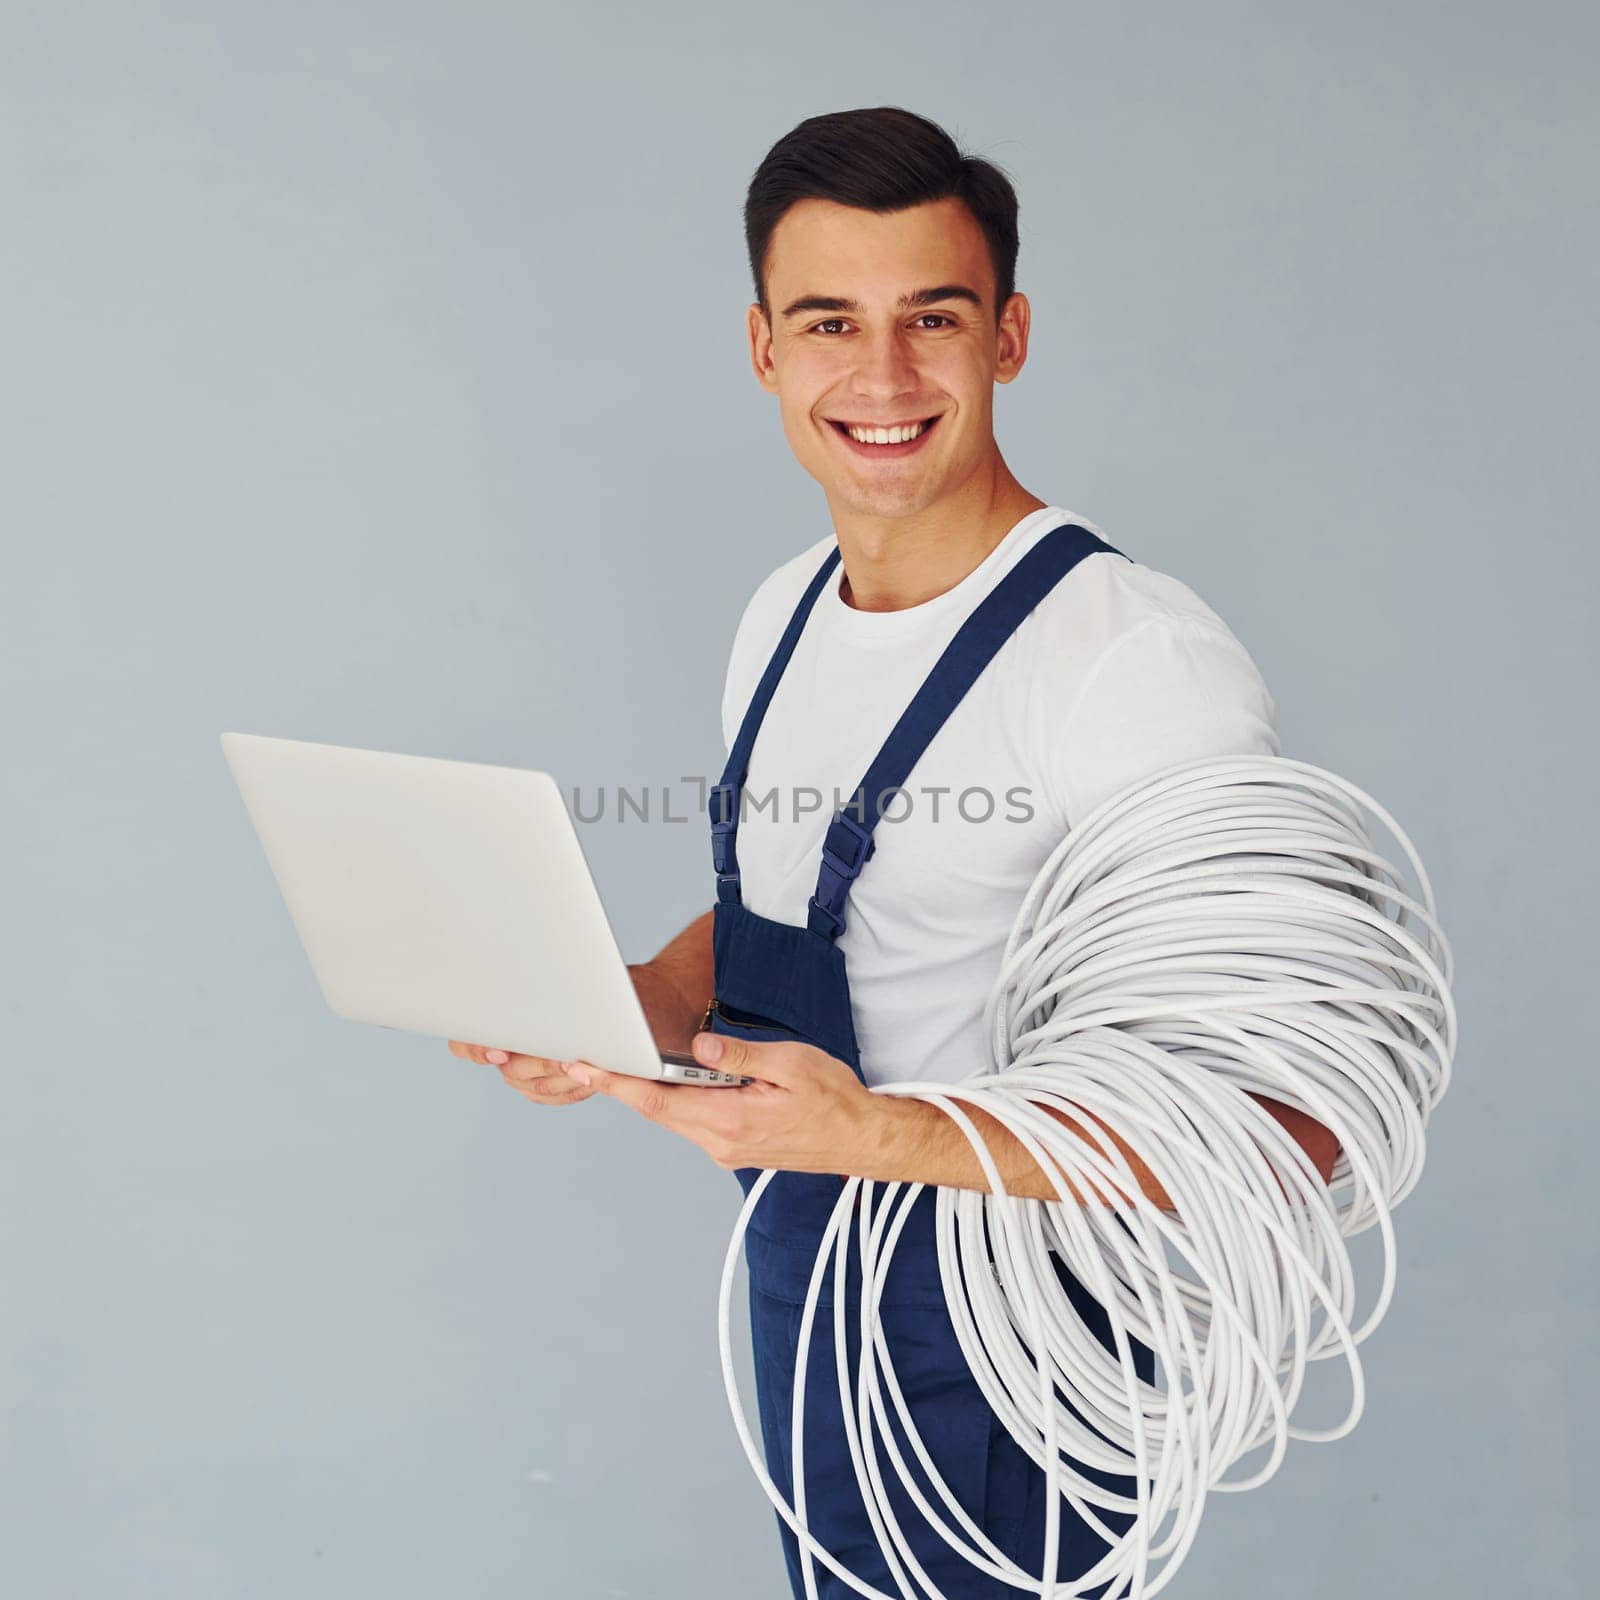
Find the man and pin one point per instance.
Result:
(995, 669)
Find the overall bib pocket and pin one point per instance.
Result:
(744, 1024)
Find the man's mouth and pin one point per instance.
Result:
(870, 440)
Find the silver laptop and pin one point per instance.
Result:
(449, 898)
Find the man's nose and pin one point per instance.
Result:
(885, 366)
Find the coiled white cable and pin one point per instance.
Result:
(1221, 929)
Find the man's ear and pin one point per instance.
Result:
(1011, 338)
(760, 334)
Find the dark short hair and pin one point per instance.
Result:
(881, 158)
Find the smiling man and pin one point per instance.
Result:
(960, 670)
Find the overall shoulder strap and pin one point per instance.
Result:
(848, 845)
(723, 799)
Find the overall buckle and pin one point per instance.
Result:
(722, 801)
(832, 924)
(847, 846)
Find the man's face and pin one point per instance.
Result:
(880, 362)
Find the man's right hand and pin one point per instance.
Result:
(543, 1080)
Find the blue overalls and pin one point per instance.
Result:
(774, 980)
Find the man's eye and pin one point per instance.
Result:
(836, 322)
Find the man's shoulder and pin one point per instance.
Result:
(761, 624)
(1137, 672)
(773, 600)
(1111, 600)
(783, 586)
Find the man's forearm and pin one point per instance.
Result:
(914, 1142)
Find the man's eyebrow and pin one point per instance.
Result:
(917, 297)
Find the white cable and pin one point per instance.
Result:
(1222, 929)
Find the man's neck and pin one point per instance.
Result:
(894, 562)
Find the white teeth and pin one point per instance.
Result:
(886, 435)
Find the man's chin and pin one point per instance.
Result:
(884, 500)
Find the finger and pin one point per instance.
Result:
(554, 1089)
(483, 1054)
(660, 1102)
(527, 1069)
(770, 1060)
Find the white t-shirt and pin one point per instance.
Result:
(1118, 672)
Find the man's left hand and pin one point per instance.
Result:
(806, 1111)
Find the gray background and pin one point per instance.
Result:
(376, 374)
